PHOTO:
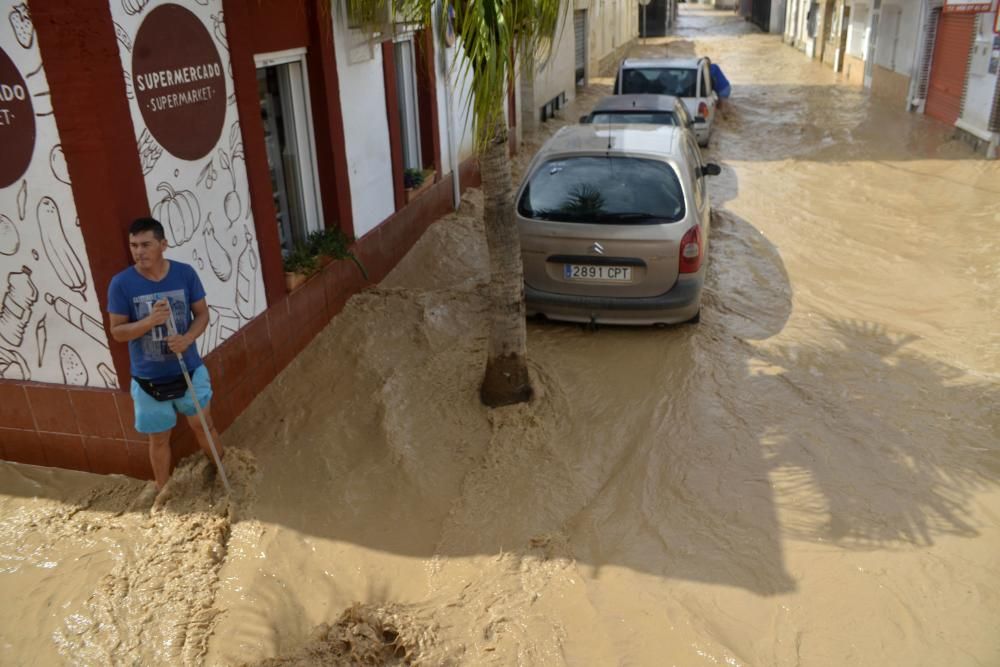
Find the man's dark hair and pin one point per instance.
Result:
(140, 225)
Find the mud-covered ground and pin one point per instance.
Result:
(807, 477)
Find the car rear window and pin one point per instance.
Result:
(604, 190)
(650, 117)
(660, 81)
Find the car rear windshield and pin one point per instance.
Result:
(604, 190)
(660, 81)
(650, 117)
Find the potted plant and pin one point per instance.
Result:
(416, 181)
(299, 264)
(337, 245)
(318, 246)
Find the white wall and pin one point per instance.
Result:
(888, 35)
(558, 74)
(366, 128)
(982, 85)
(777, 25)
(611, 24)
(898, 36)
(51, 326)
(856, 30)
(909, 37)
(461, 94)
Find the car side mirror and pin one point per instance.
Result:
(583, 119)
(711, 169)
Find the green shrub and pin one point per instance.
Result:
(333, 242)
(413, 178)
(301, 260)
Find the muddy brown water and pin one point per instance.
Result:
(808, 477)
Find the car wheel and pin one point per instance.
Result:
(696, 319)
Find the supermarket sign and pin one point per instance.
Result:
(968, 6)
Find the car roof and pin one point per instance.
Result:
(676, 63)
(660, 140)
(644, 102)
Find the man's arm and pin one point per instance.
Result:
(181, 342)
(123, 331)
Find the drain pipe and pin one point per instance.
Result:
(456, 185)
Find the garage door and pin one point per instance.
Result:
(580, 28)
(949, 66)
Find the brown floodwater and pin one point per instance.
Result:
(810, 476)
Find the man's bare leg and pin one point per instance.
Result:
(160, 457)
(199, 434)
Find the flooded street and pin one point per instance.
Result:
(810, 476)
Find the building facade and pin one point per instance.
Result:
(243, 127)
(590, 37)
(768, 15)
(939, 57)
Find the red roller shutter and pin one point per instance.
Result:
(950, 65)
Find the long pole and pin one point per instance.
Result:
(172, 330)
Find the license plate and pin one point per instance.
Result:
(597, 273)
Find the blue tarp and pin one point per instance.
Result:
(719, 81)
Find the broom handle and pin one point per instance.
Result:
(172, 330)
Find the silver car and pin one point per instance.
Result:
(650, 109)
(614, 225)
(689, 79)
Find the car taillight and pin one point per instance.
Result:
(703, 110)
(691, 250)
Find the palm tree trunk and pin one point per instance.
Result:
(506, 380)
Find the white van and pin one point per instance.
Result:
(686, 78)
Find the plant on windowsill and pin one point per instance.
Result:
(331, 244)
(416, 181)
(299, 264)
(318, 243)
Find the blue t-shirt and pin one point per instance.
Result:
(132, 295)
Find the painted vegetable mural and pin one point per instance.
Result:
(51, 327)
(179, 212)
(218, 256)
(58, 250)
(10, 239)
(203, 200)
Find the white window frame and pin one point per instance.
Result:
(306, 139)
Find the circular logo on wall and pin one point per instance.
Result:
(17, 123)
(178, 81)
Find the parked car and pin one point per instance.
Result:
(686, 78)
(614, 225)
(651, 109)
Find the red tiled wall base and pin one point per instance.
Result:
(91, 429)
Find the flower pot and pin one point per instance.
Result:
(323, 260)
(294, 280)
(412, 193)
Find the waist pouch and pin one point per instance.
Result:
(164, 389)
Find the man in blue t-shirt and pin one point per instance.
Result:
(140, 301)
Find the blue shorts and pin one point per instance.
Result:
(153, 416)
